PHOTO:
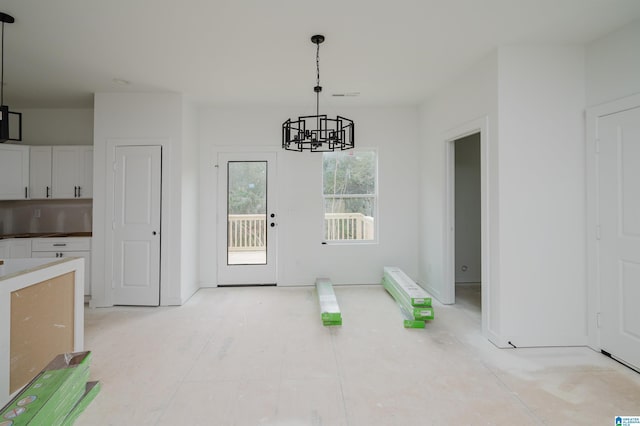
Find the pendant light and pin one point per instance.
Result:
(317, 133)
(7, 134)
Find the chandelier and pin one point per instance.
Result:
(7, 117)
(317, 133)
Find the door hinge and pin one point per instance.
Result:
(598, 319)
(597, 232)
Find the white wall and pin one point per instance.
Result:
(189, 215)
(542, 195)
(301, 256)
(140, 118)
(612, 72)
(534, 100)
(57, 126)
(467, 98)
(613, 65)
(467, 210)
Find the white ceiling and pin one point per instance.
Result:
(223, 52)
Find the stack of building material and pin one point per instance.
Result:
(90, 392)
(413, 300)
(56, 396)
(329, 309)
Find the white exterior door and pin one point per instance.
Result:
(136, 225)
(247, 219)
(618, 189)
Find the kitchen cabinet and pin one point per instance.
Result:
(66, 247)
(40, 172)
(14, 172)
(61, 172)
(15, 248)
(72, 171)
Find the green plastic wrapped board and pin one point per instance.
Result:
(409, 321)
(415, 313)
(329, 308)
(91, 390)
(52, 394)
(415, 295)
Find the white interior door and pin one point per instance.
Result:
(619, 222)
(136, 225)
(247, 221)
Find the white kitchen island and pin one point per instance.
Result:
(41, 315)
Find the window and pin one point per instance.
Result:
(349, 181)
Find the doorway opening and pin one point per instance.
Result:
(467, 226)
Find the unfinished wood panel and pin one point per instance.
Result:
(41, 326)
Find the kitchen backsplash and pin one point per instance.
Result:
(17, 217)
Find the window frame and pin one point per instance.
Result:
(374, 196)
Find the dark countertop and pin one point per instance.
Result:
(46, 235)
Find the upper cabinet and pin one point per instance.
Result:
(72, 171)
(61, 172)
(14, 172)
(40, 172)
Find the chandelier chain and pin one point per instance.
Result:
(2, 69)
(318, 64)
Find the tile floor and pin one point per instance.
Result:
(260, 356)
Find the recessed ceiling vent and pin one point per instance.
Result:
(10, 122)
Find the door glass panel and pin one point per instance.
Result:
(246, 213)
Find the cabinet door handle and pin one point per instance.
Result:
(48, 189)
(25, 192)
(75, 192)
(60, 245)
(79, 191)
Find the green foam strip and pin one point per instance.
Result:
(329, 308)
(415, 295)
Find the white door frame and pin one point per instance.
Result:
(165, 263)
(250, 277)
(475, 126)
(593, 220)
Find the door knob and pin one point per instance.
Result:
(273, 224)
(154, 232)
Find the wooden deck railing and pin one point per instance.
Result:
(247, 232)
(348, 226)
